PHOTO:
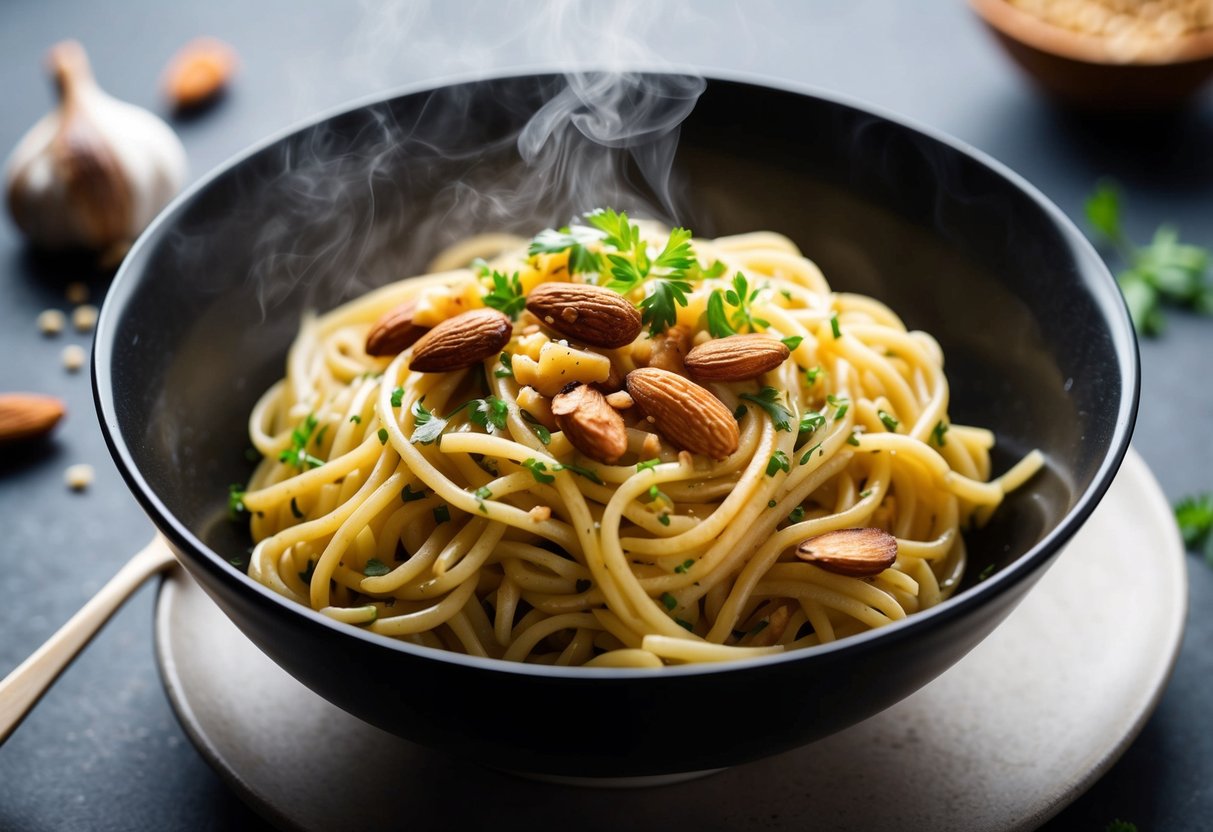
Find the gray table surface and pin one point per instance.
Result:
(103, 750)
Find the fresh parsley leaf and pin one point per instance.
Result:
(771, 504)
(506, 295)
(408, 495)
(718, 322)
(741, 296)
(619, 232)
(442, 514)
(572, 240)
(537, 469)
(657, 495)
(319, 440)
(771, 400)
(507, 361)
(647, 465)
(685, 566)
(937, 433)
(669, 601)
(686, 625)
(235, 502)
(481, 494)
(811, 375)
(677, 254)
(778, 462)
(797, 515)
(356, 419)
(853, 439)
(792, 342)
(664, 519)
(397, 396)
(659, 308)
(811, 421)
(804, 460)
(375, 567)
(579, 471)
(543, 434)
(1103, 210)
(1194, 514)
(834, 326)
(297, 454)
(383, 435)
(985, 573)
(489, 413)
(839, 404)
(888, 421)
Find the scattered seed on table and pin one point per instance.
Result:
(50, 321)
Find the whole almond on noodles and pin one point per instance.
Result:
(687, 415)
(395, 331)
(590, 424)
(736, 358)
(588, 314)
(461, 342)
(858, 553)
(28, 415)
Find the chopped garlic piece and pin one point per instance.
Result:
(50, 321)
(84, 317)
(74, 357)
(78, 477)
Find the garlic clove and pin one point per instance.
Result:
(94, 172)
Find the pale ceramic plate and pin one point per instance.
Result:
(1002, 741)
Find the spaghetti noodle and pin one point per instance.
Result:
(449, 510)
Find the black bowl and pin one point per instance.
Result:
(1038, 345)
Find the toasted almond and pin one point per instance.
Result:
(736, 358)
(651, 446)
(588, 314)
(858, 553)
(395, 331)
(28, 415)
(592, 425)
(461, 341)
(684, 413)
(198, 72)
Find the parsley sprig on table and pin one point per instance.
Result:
(1165, 271)
(1195, 517)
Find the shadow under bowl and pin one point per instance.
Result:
(196, 326)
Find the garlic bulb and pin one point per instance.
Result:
(94, 172)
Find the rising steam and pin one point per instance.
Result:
(369, 198)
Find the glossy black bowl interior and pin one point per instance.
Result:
(1037, 343)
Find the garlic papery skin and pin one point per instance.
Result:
(94, 172)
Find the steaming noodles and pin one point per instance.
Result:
(615, 446)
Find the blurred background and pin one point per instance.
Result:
(103, 750)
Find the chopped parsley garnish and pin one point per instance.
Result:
(657, 495)
(685, 566)
(867, 492)
(490, 412)
(572, 240)
(659, 308)
(295, 509)
(356, 419)
(1166, 270)
(583, 585)
(811, 421)
(442, 514)
(834, 326)
(579, 471)
(771, 504)
(797, 515)
(541, 433)
(319, 440)
(840, 406)
(669, 601)
(853, 439)
(888, 421)
(686, 625)
(647, 465)
(297, 454)
(741, 296)
(937, 432)
(507, 361)
(375, 567)
(792, 342)
(383, 436)
(778, 462)
(235, 502)
(537, 469)
(771, 400)
(664, 519)
(987, 572)
(428, 426)
(408, 495)
(483, 493)
(804, 460)
(397, 396)
(1194, 515)
(306, 574)
(811, 375)
(506, 295)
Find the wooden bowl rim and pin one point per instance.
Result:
(1093, 49)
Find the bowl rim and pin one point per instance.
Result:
(1032, 31)
(1097, 279)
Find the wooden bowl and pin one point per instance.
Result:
(1081, 70)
